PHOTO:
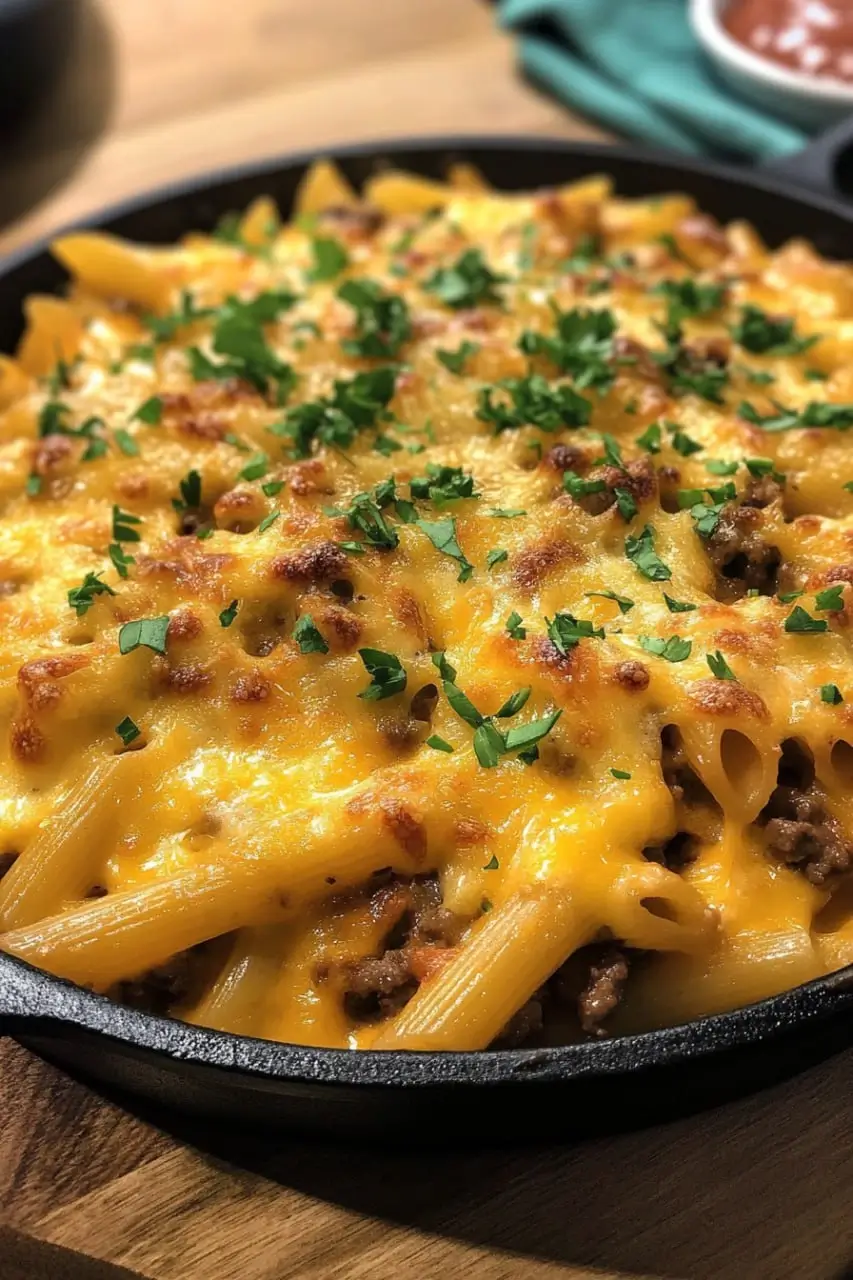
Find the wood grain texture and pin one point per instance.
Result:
(758, 1190)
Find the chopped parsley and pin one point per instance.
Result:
(438, 744)
(759, 467)
(565, 632)
(443, 484)
(719, 667)
(514, 627)
(577, 487)
(489, 742)
(124, 523)
(165, 327)
(229, 613)
(468, 283)
(621, 774)
(387, 675)
(674, 649)
(82, 598)
(582, 346)
(190, 493)
(532, 401)
(831, 693)
(816, 414)
(641, 551)
(625, 503)
(442, 535)
(679, 606)
(337, 419)
(238, 335)
(718, 467)
(330, 258)
(689, 297)
(506, 513)
(150, 411)
(768, 335)
(829, 600)
(128, 731)
(651, 438)
(514, 703)
(268, 521)
(706, 518)
(255, 468)
(455, 361)
(382, 320)
(145, 632)
(625, 605)
(126, 443)
(365, 515)
(496, 556)
(120, 559)
(799, 620)
(681, 442)
(309, 638)
(492, 864)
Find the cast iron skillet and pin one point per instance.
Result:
(442, 1097)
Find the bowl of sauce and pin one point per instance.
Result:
(793, 57)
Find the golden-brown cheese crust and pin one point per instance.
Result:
(251, 728)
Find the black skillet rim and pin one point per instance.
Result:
(36, 1002)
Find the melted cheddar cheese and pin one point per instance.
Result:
(443, 592)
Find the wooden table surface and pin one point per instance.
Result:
(757, 1190)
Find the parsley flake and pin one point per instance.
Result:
(120, 559)
(831, 693)
(308, 637)
(532, 401)
(387, 675)
(514, 627)
(455, 361)
(148, 632)
(330, 259)
(128, 731)
(150, 412)
(442, 535)
(382, 320)
(798, 620)
(82, 598)
(438, 744)
(768, 335)
(674, 649)
(625, 605)
(719, 667)
(229, 613)
(123, 525)
(829, 600)
(565, 632)
(641, 551)
(679, 606)
(468, 283)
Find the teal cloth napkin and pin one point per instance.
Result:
(636, 67)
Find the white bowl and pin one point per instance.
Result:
(809, 101)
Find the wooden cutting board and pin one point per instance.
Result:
(756, 1190)
(759, 1190)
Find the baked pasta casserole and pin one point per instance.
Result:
(427, 624)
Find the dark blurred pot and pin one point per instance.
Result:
(34, 41)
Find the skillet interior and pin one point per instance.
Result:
(577, 1088)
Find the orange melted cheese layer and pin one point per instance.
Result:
(263, 791)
